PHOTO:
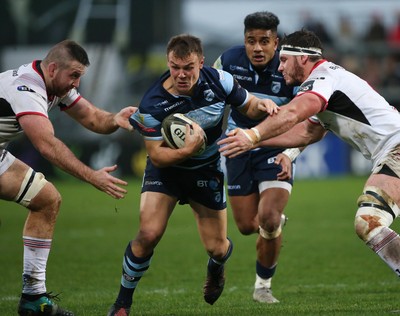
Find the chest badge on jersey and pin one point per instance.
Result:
(209, 95)
(276, 86)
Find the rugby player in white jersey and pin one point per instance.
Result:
(26, 96)
(333, 99)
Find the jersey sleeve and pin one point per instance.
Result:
(27, 101)
(237, 96)
(69, 100)
(146, 125)
(319, 83)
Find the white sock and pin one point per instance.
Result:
(262, 283)
(36, 253)
(386, 244)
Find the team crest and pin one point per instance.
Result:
(208, 95)
(275, 86)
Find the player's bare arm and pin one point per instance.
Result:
(98, 120)
(55, 151)
(256, 108)
(298, 110)
(163, 156)
(300, 135)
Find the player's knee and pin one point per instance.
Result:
(31, 188)
(375, 210)
(271, 227)
(147, 239)
(53, 198)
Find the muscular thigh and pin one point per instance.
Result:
(389, 184)
(11, 179)
(212, 224)
(155, 210)
(244, 208)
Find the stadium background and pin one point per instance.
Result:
(126, 44)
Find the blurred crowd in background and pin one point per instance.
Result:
(126, 44)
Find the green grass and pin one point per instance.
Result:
(324, 269)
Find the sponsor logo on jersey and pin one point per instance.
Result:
(24, 88)
(155, 182)
(306, 86)
(238, 68)
(161, 104)
(276, 86)
(243, 78)
(173, 106)
(335, 67)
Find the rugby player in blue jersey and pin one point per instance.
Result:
(182, 175)
(259, 181)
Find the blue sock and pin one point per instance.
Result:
(264, 272)
(214, 266)
(133, 269)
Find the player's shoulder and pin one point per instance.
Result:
(212, 75)
(235, 55)
(25, 81)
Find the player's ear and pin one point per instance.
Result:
(304, 59)
(201, 61)
(51, 69)
(276, 40)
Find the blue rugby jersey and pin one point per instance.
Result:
(268, 84)
(213, 91)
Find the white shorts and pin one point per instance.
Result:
(392, 160)
(6, 160)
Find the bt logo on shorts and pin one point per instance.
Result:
(212, 184)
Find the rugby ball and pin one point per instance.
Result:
(173, 130)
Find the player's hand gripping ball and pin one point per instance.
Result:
(173, 129)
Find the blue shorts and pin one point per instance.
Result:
(247, 170)
(204, 185)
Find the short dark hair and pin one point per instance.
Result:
(263, 20)
(66, 51)
(305, 39)
(184, 44)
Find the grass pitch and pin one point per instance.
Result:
(324, 269)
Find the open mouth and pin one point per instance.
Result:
(258, 58)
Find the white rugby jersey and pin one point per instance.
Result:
(354, 111)
(23, 91)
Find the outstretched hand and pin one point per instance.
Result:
(104, 181)
(237, 142)
(122, 117)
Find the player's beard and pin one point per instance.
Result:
(297, 74)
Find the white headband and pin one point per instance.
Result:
(298, 51)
